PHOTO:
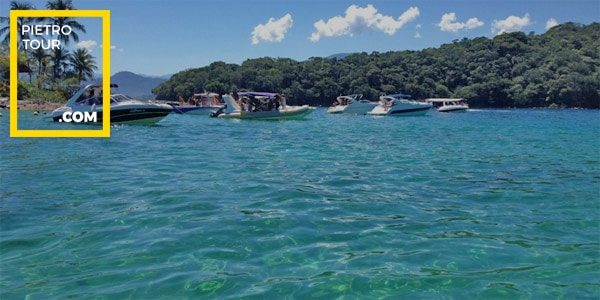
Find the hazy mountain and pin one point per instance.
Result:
(136, 85)
(339, 55)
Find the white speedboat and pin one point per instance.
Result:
(199, 104)
(448, 104)
(399, 105)
(262, 106)
(351, 104)
(123, 109)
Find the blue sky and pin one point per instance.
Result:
(158, 37)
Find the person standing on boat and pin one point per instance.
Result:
(277, 102)
(253, 103)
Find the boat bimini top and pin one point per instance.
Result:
(206, 94)
(259, 94)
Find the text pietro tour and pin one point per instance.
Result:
(41, 30)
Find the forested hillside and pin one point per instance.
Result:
(558, 68)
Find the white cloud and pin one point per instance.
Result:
(87, 44)
(551, 23)
(510, 24)
(272, 31)
(113, 47)
(448, 23)
(357, 19)
(417, 33)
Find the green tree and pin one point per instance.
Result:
(65, 39)
(560, 67)
(83, 64)
(16, 5)
(61, 58)
(41, 58)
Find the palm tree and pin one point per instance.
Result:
(83, 64)
(40, 56)
(16, 5)
(61, 58)
(65, 39)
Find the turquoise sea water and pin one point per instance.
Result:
(485, 204)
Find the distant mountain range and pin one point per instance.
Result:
(339, 55)
(135, 85)
(141, 85)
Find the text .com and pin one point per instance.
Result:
(79, 117)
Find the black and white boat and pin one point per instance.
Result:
(123, 109)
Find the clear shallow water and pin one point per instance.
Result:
(486, 204)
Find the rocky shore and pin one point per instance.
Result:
(32, 105)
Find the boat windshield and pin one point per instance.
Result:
(119, 98)
(345, 100)
(92, 96)
(391, 100)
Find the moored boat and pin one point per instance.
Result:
(259, 105)
(199, 104)
(351, 104)
(448, 104)
(399, 105)
(123, 109)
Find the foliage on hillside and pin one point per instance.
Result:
(51, 73)
(560, 67)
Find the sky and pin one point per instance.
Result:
(159, 37)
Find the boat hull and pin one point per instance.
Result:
(401, 110)
(289, 113)
(454, 108)
(140, 116)
(336, 109)
(195, 110)
(357, 108)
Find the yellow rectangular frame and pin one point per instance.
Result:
(52, 133)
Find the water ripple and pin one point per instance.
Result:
(487, 204)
